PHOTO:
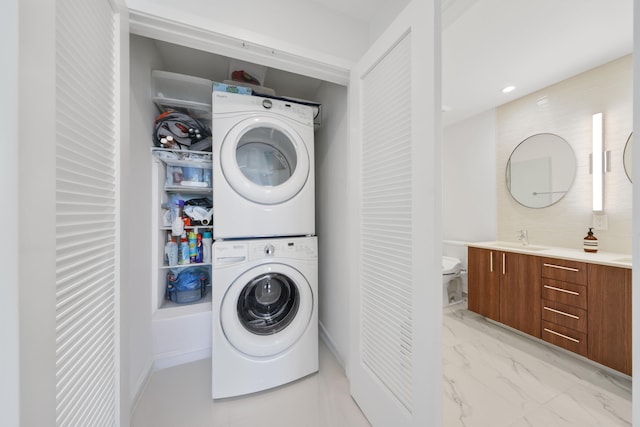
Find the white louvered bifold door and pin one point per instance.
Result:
(386, 218)
(397, 283)
(86, 214)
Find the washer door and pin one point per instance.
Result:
(264, 160)
(266, 310)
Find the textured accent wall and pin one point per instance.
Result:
(566, 109)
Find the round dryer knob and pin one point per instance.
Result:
(269, 250)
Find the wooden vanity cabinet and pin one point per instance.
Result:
(484, 283)
(609, 301)
(579, 306)
(564, 304)
(505, 287)
(520, 292)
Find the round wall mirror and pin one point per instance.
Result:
(541, 170)
(626, 157)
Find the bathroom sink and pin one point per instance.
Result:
(509, 245)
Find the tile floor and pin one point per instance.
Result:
(493, 377)
(498, 378)
(181, 397)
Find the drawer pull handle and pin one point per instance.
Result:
(491, 262)
(562, 312)
(561, 267)
(561, 335)
(553, 288)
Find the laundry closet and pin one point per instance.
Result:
(163, 332)
(377, 203)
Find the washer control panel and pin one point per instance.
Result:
(297, 248)
(269, 249)
(230, 253)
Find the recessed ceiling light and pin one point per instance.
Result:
(508, 89)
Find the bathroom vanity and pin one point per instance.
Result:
(575, 300)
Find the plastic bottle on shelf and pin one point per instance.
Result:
(207, 241)
(171, 250)
(177, 226)
(193, 241)
(199, 248)
(184, 250)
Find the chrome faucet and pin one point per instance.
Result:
(524, 237)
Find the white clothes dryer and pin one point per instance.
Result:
(263, 167)
(265, 314)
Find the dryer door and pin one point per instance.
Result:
(265, 160)
(266, 310)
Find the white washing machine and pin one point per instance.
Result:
(263, 167)
(265, 313)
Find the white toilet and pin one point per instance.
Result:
(451, 280)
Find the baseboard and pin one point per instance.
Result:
(139, 387)
(326, 338)
(175, 358)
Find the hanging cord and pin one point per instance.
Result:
(178, 130)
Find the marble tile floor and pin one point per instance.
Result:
(492, 377)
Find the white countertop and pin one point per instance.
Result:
(604, 258)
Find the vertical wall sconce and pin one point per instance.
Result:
(597, 165)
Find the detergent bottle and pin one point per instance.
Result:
(184, 250)
(193, 242)
(171, 250)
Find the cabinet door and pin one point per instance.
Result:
(520, 292)
(609, 326)
(484, 286)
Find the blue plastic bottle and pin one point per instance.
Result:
(199, 248)
(184, 250)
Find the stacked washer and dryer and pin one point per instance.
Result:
(265, 256)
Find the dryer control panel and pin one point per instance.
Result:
(232, 103)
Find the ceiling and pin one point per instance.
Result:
(531, 44)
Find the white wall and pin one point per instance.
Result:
(331, 145)
(566, 109)
(386, 11)
(36, 219)
(137, 190)
(9, 333)
(469, 182)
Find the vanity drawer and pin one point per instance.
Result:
(565, 270)
(564, 337)
(565, 315)
(565, 293)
